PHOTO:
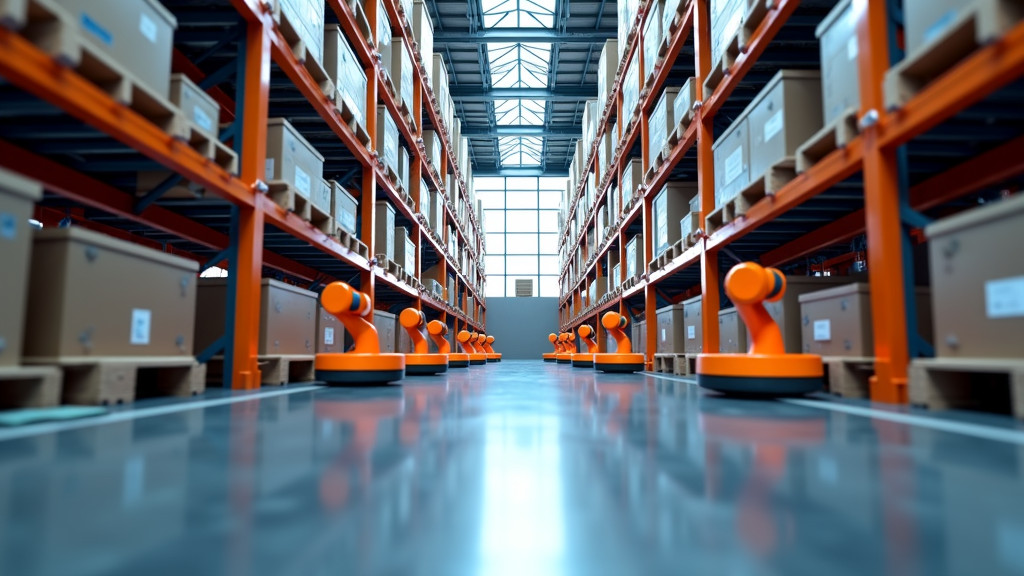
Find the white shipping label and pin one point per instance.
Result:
(269, 170)
(1004, 298)
(773, 126)
(8, 226)
(148, 28)
(141, 322)
(202, 118)
(822, 330)
(329, 336)
(302, 182)
(663, 335)
(733, 165)
(691, 332)
(851, 48)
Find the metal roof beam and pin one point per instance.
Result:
(525, 35)
(498, 131)
(477, 93)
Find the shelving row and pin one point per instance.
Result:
(804, 139)
(115, 155)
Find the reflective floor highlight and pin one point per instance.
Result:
(518, 468)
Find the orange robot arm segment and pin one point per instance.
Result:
(615, 324)
(351, 307)
(587, 335)
(438, 330)
(487, 345)
(414, 321)
(553, 338)
(749, 285)
(464, 342)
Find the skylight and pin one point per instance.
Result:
(519, 13)
(520, 150)
(519, 65)
(519, 112)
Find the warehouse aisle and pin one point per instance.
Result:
(516, 468)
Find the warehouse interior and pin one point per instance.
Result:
(594, 287)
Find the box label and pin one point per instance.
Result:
(148, 28)
(773, 126)
(691, 332)
(8, 226)
(1004, 298)
(268, 172)
(851, 48)
(822, 330)
(141, 323)
(302, 182)
(663, 335)
(202, 118)
(733, 165)
(328, 336)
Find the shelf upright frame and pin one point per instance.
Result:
(709, 273)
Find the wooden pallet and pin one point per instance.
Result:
(124, 379)
(350, 119)
(849, 377)
(288, 197)
(29, 386)
(737, 207)
(320, 219)
(838, 134)
(680, 132)
(686, 365)
(362, 22)
(299, 49)
(979, 24)
(664, 363)
(968, 383)
(351, 242)
(275, 370)
(736, 45)
(207, 144)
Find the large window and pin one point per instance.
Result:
(522, 233)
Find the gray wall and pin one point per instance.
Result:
(520, 326)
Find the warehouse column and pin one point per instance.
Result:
(249, 263)
(706, 180)
(368, 193)
(882, 213)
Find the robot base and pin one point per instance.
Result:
(762, 375)
(563, 358)
(582, 360)
(494, 357)
(357, 368)
(458, 360)
(549, 356)
(425, 364)
(619, 363)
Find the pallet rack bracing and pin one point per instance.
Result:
(855, 180)
(236, 224)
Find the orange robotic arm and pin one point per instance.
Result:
(556, 339)
(487, 345)
(414, 322)
(749, 285)
(438, 330)
(587, 335)
(464, 338)
(351, 307)
(616, 324)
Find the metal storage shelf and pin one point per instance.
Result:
(850, 191)
(59, 112)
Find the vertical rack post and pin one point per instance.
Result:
(706, 178)
(249, 261)
(369, 185)
(882, 212)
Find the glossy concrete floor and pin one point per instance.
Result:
(518, 468)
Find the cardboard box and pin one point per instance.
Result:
(782, 117)
(346, 208)
(138, 35)
(405, 250)
(73, 310)
(684, 100)
(401, 71)
(198, 107)
(345, 71)
(635, 263)
(631, 89)
(632, 178)
(689, 223)
(628, 10)
(693, 330)
(291, 159)
(403, 169)
(322, 196)
(926, 20)
(387, 139)
(652, 37)
(287, 317)
(590, 120)
(607, 66)
(726, 18)
(423, 32)
(977, 279)
(307, 17)
(386, 326)
(668, 14)
(840, 76)
(671, 330)
(439, 75)
(732, 332)
(330, 333)
(669, 207)
(786, 311)
(732, 157)
(384, 229)
(432, 144)
(17, 201)
(662, 123)
(604, 157)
